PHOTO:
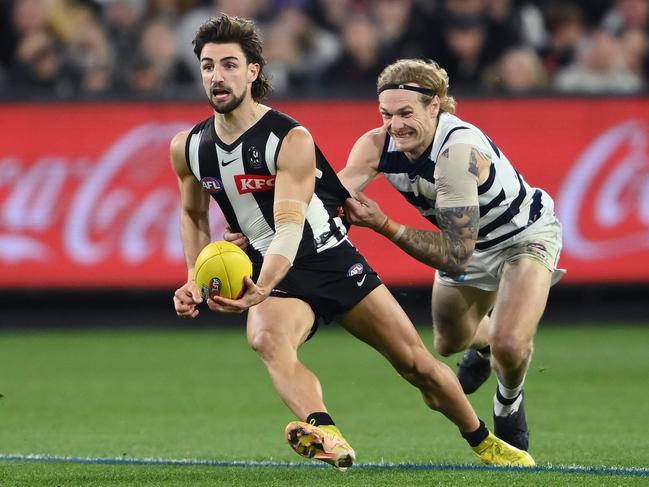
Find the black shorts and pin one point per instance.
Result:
(331, 282)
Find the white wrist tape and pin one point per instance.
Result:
(289, 224)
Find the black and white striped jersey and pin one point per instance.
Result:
(508, 205)
(241, 178)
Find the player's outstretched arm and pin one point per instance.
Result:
(294, 186)
(457, 213)
(363, 161)
(194, 226)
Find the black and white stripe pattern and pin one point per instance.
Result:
(508, 205)
(245, 172)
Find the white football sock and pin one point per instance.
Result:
(507, 393)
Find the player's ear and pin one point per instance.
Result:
(434, 106)
(253, 72)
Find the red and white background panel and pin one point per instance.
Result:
(88, 199)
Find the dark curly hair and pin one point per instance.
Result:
(226, 28)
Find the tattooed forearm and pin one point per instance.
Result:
(459, 226)
(450, 249)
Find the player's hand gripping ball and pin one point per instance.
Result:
(220, 270)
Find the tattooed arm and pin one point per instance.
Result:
(450, 249)
(457, 173)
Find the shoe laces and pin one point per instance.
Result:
(500, 449)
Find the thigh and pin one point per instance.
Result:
(458, 310)
(522, 295)
(379, 321)
(287, 319)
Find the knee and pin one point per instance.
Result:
(265, 344)
(510, 351)
(451, 334)
(446, 347)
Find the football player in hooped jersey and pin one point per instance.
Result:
(499, 241)
(276, 189)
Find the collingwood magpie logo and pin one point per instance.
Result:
(254, 158)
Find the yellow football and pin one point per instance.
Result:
(220, 270)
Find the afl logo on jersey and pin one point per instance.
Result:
(254, 158)
(355, 270)
(211, 185)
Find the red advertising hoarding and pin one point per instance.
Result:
(87, 197)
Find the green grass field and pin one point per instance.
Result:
(204, 395)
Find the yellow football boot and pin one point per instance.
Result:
(324, 443)
(494, 451)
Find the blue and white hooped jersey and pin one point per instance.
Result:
(508, 205)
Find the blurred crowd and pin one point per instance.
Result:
(97, 48)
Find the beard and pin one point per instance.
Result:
(228, 106)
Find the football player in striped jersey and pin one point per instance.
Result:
(498, 243)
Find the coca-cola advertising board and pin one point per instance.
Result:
(88, 199)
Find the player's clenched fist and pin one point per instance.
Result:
(186, 298)
(238, 239)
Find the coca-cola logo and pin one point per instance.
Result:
(252, 183)
(603, 203)
(123, 204)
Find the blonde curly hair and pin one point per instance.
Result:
(426, 74)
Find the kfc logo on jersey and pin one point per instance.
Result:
(254, 183)
(211, 185)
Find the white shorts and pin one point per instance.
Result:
(542, 243)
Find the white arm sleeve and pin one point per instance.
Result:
(289, 224)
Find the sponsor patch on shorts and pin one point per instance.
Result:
(456, 278)
(539, 250)
(355, 270)
(535, 245)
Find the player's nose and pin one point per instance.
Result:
(396, 123)
(217, 76)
